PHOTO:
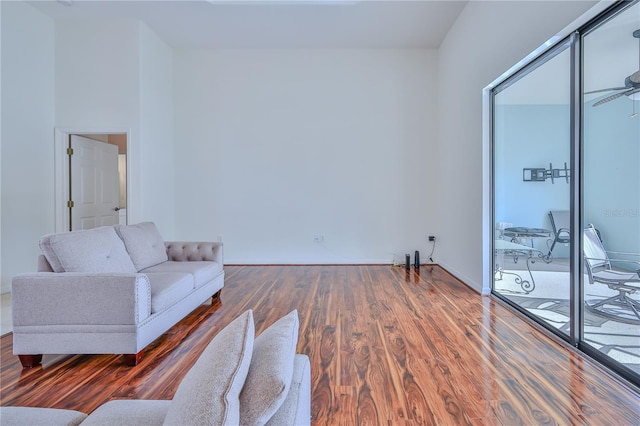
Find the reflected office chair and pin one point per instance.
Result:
(561, 223)
(599, 267)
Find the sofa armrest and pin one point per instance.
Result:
(182, 251)
(72, 298)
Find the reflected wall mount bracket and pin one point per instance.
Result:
(542, 174)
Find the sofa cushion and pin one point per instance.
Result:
(92, 250)
(129, 412)
(296, 408)
(271, 370)
(144, 244)
(209, 393)
(33, 416)
(202, 272)
(167, 288)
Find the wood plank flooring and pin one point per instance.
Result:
(386, 347)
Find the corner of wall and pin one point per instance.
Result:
(27, 118)
(156, 142)
(486, 40)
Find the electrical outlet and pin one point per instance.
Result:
(318, 239)
(432, 238)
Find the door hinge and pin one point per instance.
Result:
(69, 203)
(69, 151)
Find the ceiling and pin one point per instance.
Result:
(610, 53)
(220, 24)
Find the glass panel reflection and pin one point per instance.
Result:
(532, 146)
(611, 182)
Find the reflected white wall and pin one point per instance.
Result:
(531, 136)
(612, 173)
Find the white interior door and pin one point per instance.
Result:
(95, 188)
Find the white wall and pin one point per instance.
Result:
(97, 85)
(373, 149)
(156, 132)
(117, 74)
(97, 75)
(2, 289)
(27, 136)
(486, 40)
(97, 81)
(277, 146)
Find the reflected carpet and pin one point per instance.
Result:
(614, 332)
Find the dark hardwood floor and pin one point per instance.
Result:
(386, 347)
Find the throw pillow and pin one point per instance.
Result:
(49, 254)
(144, 244)
(271, 370)
(209, 393)
(93, 250)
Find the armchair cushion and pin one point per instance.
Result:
(271, 370)
(209, 393)
(144, 244)
(93, 250)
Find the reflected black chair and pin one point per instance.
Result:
(561, 223)
(598, 265)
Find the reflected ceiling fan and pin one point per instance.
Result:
(631, 83)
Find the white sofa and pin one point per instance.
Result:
(238, 380)
(109, 290)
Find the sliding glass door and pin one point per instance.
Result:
(611, 188)
(565, 174)
(531, 165)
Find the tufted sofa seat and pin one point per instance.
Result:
(110, 290)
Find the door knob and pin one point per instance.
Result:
(117, 209)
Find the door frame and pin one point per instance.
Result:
(61, 169)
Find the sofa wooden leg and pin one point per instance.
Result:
(216, 297)
(132, 359)
(30, 361)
